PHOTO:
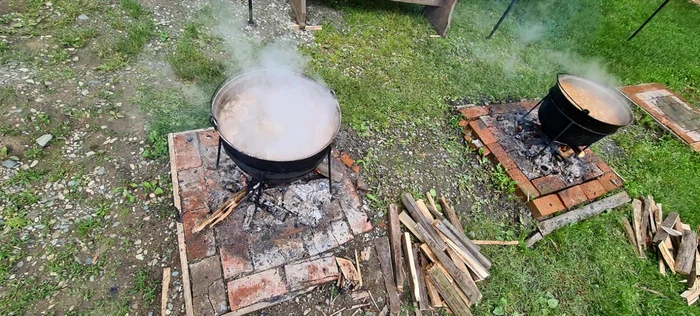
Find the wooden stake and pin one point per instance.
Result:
(424, 304)
(383, 253)
(668, 257)
(637, 225)
(165, 287)
(395, 239)
(357, 264)
(630, 235)
(651, 207)
(460, 240)
(424, 210)
(407, 221)
(430, 199)
(496, 242)
(411, 264)
(433, 294)
(417, 215)
(450, 214)
(685, 259)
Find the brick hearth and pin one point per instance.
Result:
(232, 269)
(544, 195)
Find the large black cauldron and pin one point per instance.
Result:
(580, 112)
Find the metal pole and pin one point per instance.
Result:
(330, 175)
(218, 154)
(510, 6)
(649, 19)
(250, 13)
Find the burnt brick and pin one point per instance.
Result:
(273, 253)
(524, 187)
(311, 272)
(186, 151)
(191, 183)
(201, 244)
(233, 244)
(549, 184)
(259, 287)
(592, 171)
(610, 181)
(482, 132)
(474, 112)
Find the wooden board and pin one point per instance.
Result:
(548, 226)
(637, 225)
(440, 17)
(408, 222)
(630, 235)
(685, 258)
(450, 214)
(411, 267)
(424, 210)
(462, 242)
(458, 306)
(668, 257)
(669, 222)
(384, 254)
(299, 9)
(421, 220)
(395, 239)
(424, 303)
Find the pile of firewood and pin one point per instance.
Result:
(675, 243)
(441, 268)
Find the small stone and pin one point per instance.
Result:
(100, 171)
(34, 163)
(175, 273)
(139, 257)
(76, 58)
(84, 92)
(83, 17)
(24, 69)
(89, 153)
(9, 164)
(44, 139)
(88, 261)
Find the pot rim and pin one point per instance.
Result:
(622, 104)
(240, 76)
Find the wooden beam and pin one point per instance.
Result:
(651, 207)
(461, 240)
(456, 304)
(496, 242)
(424, 210)
(383, 253)
(450, 214)
(637, 225)
(299, 9)
(668, 257)
(431, 256)
(433, 295)
(395, 239)
(440, 17)
(548, 226)
(187, 290)
(417, 215)
(685, 258)
(471, 262)
(407, 221)
(411, 267)
(669, 222)
(630, 235)
(165, 286)
(424, 303)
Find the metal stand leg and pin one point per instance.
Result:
(257, 198)
(510, 6)
(330, 175)
(218, 154)
(250, 13)
(647, 21)
(555, 138)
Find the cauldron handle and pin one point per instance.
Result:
(213, 122)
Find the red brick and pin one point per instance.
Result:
(482, 132)
(696, 146)
(604, 168)
(545, 205)
(501, 156)
(591, 172)
(524, 187)
(593, 189)
(572, 196)
(309, 273)
(463, 123)
(201, 244)
(474, 112)
(208, 139)
(186, 151)
(506, 108)
(255, 288)
(610, 181)
(233, 244)
(352, 207)
(203, 274)
(346, 159)
(191, 183)
(548, 184)
(528, 104)
(194, 202)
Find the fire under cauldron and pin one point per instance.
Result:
(580, 112)
(276, 125)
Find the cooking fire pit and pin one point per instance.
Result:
(276, 125)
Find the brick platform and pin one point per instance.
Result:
(669, 109)
(544, 194)
(239, 271)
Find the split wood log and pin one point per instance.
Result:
(223, 211)
(496, 242)
(532, 240)
(433, 295)
(431, 256)
(431, 201)
(692, 279)
(630, 235)
(645, 228)
(691, 295)
(395, 238)
(348, 270)
(411, 267)
(462, 242)
(424, 303)
(424, 210)
(164, 291)
(637, 225)
(651, 207)
(685, 258)
(463, 280)
(450, 214)
(672, 232)
(457, 260)
(662, 267)
(357, 265)
(407, 221)
(668, 257)
(417, 215)
(548, 226)
(433, 211)
(659, 214)
(469, 260)
(669, 222)
(384, 255)
(685, 226)
(458, 306)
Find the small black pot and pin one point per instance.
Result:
(567, 122)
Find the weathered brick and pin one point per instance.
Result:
(545, 205)
(610, 181)
(319, 240)
(506, 108)
(191, 183)
(233, 244)
(591, 172)
(572, 196)
(482, 132)
(463, 123)
(212, 302)
(346, 159)
(549, 184)
(593, 189)
(209, 139)
(201, 244)
(500, 156)
(474, 112)
(194, 202)
(273, 253)
(259, 287)
(352, 207)
(524, 187)
(186, 151)
(309, 273)
(341, 232)
(203, 274)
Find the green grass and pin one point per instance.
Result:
(386, 70)
(139, 29)
(191, 62)
(145, 285)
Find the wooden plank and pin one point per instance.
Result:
(461, 241)
(440, 17)
(424, 210)
(637, 225)
(395, 239)
(463, 280)
(424, 303)
(671, 232)
(458, 306)
(630, 235)
(645, 228)
(496, 242)
(433, 295)
(165, 286)
(685, 258)
(668, 257)
(384, 254)
(434, 3)
(669, 222)
(651, 207)
(471, 262)
(450, 214)
(431, 256)
(431, 201)
(457, 260)
(407, 221)
(187, 290)
(299, 9)
(417, 215)
(548, 226)
(411, 267)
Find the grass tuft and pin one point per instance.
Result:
(190, 62)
